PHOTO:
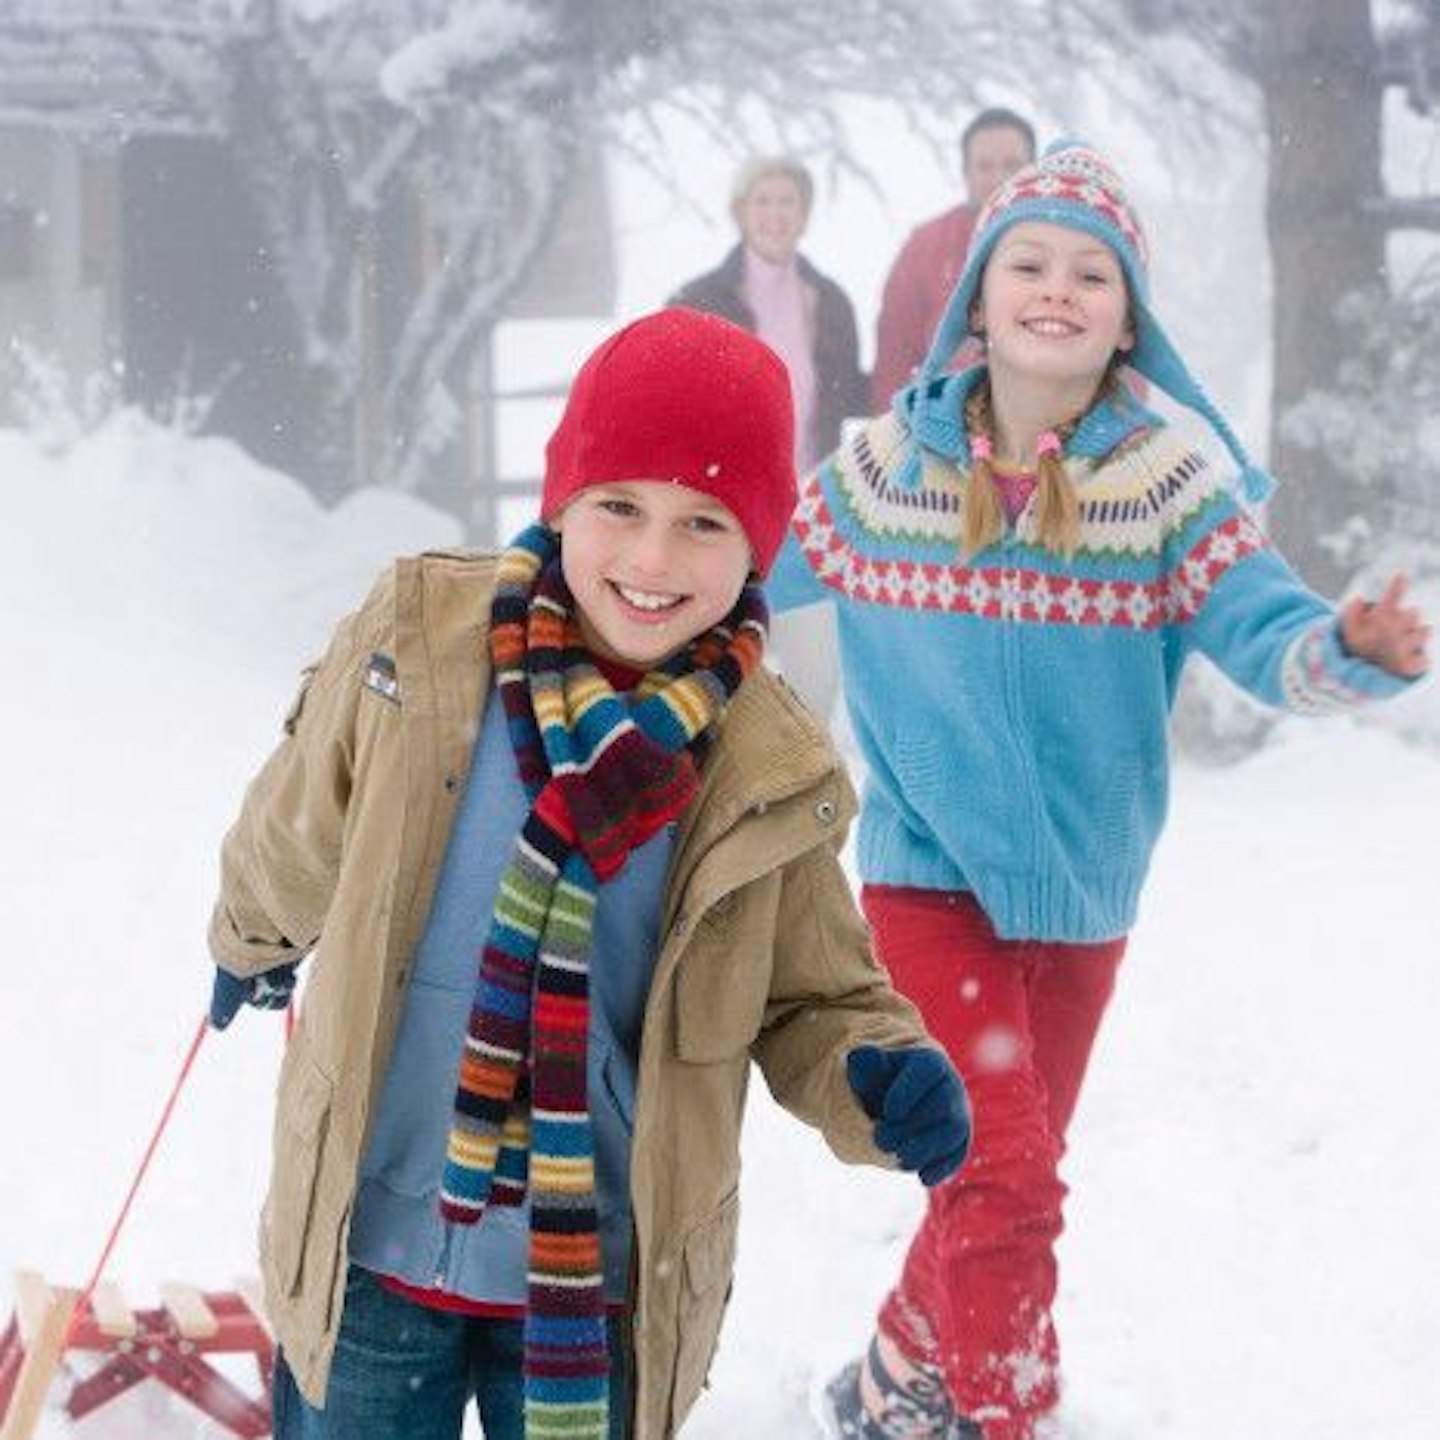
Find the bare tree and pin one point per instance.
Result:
(336, 112)
(1322, 69)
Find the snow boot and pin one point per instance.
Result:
(921, 1412)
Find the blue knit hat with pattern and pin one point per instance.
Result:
(1070, 185)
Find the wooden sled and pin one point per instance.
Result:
(168, 1344)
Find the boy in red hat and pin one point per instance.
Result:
(565, 854)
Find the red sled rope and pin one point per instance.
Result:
(168, 1343)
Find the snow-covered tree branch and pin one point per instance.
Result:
(468, 116)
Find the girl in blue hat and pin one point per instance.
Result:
(1022, 557)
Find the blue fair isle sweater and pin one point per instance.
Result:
(1012, 709)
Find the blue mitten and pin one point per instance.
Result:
(270, 990)
(918, 1102)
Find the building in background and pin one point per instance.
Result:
(135, 260)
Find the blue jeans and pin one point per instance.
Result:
(403, 1371)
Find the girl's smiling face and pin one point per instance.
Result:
(651, 564)
(1053, 304)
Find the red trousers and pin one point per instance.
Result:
(1018, 1018)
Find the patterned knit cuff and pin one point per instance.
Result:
(1319, 677)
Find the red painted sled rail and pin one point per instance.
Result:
(169, 1343)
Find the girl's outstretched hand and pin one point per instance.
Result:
(1387, 632)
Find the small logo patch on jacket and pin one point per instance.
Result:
(380, 676)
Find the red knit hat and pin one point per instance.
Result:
(684, 396)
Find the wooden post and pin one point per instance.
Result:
(43, 1314)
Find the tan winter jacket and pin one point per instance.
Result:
(338, 847)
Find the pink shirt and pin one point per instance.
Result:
(1015, 487)
(781, 303)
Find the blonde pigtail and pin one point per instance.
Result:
(983, 520)
(1057, 505)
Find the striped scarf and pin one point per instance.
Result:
(602, 778)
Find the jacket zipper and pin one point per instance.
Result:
(442, 1265)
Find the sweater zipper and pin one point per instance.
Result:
(1010, 628)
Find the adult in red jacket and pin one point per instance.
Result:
(994, 145)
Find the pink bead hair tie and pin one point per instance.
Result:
(981, 448)
(1048, 443)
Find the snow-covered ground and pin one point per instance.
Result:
(1252, 1250)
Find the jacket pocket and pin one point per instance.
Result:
(302, 1120)
(708, 1268)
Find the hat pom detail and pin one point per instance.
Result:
(1255, 485)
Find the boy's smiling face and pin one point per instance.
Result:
(651, 564)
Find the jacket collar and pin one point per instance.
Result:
(769, 749)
